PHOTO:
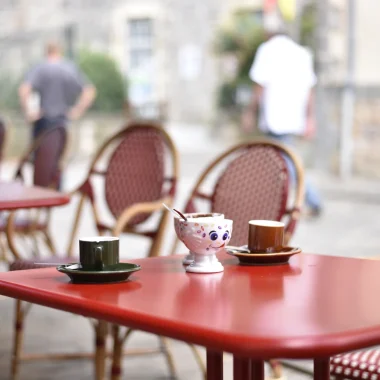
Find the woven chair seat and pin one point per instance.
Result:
(357, 365)
(30, 264)
(23, 225)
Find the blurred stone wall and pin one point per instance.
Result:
(366, 131)
(367, 136)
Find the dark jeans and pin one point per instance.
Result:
(42, 125)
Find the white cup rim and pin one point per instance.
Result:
(215, 221)
(188, 215)
(93, 239)
(267, 223)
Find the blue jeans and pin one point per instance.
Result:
(312, 196)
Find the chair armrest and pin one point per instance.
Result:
(10, 233)
(139, 208)
(294, 212)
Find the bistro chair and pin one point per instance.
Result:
(44, 159)
(251, 181)
(138, 170)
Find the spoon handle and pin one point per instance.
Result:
(52, 264)
(175, 212)
(180, 214)
(169, 209)
(242, 249)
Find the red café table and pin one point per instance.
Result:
(15, 195)
(313, 308)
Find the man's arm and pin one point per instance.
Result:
(311, 80)
(85, 100)
(310, 128)
(25, 91)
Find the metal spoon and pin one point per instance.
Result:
(73, 266)
(243, 249)
(175, 212)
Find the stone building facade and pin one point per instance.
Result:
(165, 48)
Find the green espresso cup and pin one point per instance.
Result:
(98, 252)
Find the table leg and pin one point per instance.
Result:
(257, 370)
(246, 369)
(242, 369)
(322, 369)
(214, 365)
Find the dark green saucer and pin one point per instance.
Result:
(113, 273)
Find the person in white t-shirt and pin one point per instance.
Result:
(283, 96)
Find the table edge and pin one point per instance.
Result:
(36, 203)
(290, 348)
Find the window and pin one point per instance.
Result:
(140, 42)
(141, 72)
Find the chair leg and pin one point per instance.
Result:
(75, 226)
(34, 239)
(49, 242)
(199, 360)
(18, 340)
(169, 357)
(118, 343)
(3, 250)
(11, 235)
(117, 353)
(100, 349)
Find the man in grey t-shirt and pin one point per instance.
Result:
(65, 93)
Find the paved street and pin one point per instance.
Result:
(349, 226)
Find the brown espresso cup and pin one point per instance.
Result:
(265, 236)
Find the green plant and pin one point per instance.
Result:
(103, 72)
(308, 25)
(226, 95)
(241, 37)
(9, 91)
